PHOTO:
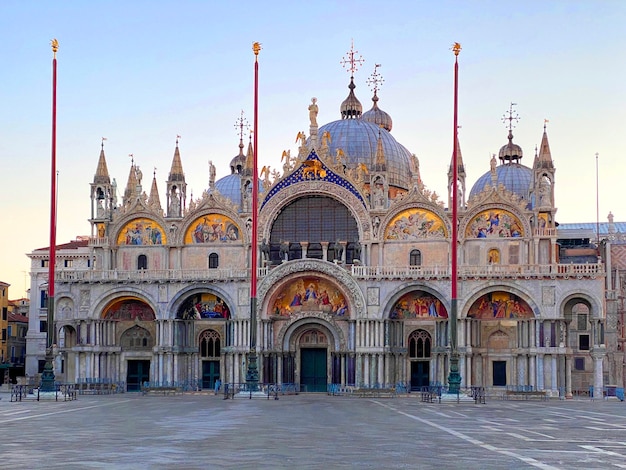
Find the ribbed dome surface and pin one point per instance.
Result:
(230, 187)
(378, 116)
(358, 140)
(515, 177)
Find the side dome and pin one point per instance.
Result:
(378, 116)
(230, 186)
(515, 177)
(359, 139)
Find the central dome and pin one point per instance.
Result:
(359, 139)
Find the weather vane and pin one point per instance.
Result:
(512, 116)
(456, 48)
(102, 144)
(352, 63)
(240, 124)
(376, 80)
(177, 139)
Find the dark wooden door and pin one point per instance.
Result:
(420, 374)
(499, 373)
(137, 373)
(313, 370)
(210, 373)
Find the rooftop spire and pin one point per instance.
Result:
(510, 153)
(176, 172)
(380, 154)
(249, 158)
(134, 181)
(102, 172)
(544, 159)
(351, 107)
(376, 115)
(154, 201)
(238, 163)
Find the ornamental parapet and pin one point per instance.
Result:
(151, 276)
(517, 271)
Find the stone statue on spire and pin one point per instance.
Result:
(313, 109)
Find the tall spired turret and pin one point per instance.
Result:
(176, 187)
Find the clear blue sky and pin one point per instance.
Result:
(142, 72)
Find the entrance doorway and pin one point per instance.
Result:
(137, 373)
(313, 369)
(420, 374)
(210, 373)
(499, 373)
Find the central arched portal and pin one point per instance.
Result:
(313, 346)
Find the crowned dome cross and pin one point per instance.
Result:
(352, 62)
(375, 80)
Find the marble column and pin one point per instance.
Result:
(598, 354)
(325, 251)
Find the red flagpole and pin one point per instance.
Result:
(47, 377)
(53, 196)
(252, 374)
(454, 377)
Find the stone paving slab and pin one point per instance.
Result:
(309, 431)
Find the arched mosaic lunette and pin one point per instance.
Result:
(415, 223)
(213, 228)
(492, 221)
(142, 231)
(356, 299)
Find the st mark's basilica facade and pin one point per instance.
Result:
(354, 273)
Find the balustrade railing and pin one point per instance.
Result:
(514, 271)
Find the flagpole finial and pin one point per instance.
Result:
(456, 48)
(55, 47)
(256, 48)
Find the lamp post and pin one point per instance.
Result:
(47, 377)
(454, 377)
(252, 373)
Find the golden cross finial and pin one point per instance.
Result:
(55, 47)
(376, 80)
(456, 48)
(241, 123)
(512, 116)
(354, 63)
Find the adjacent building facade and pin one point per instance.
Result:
(354, 274)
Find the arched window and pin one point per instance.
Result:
(142, 262)
(313, 219)
(214, 261)
(210, 344)
(419, 345)
(415, 258)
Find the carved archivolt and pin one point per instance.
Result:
(308, 188)
(277, 276)
(312, 318)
